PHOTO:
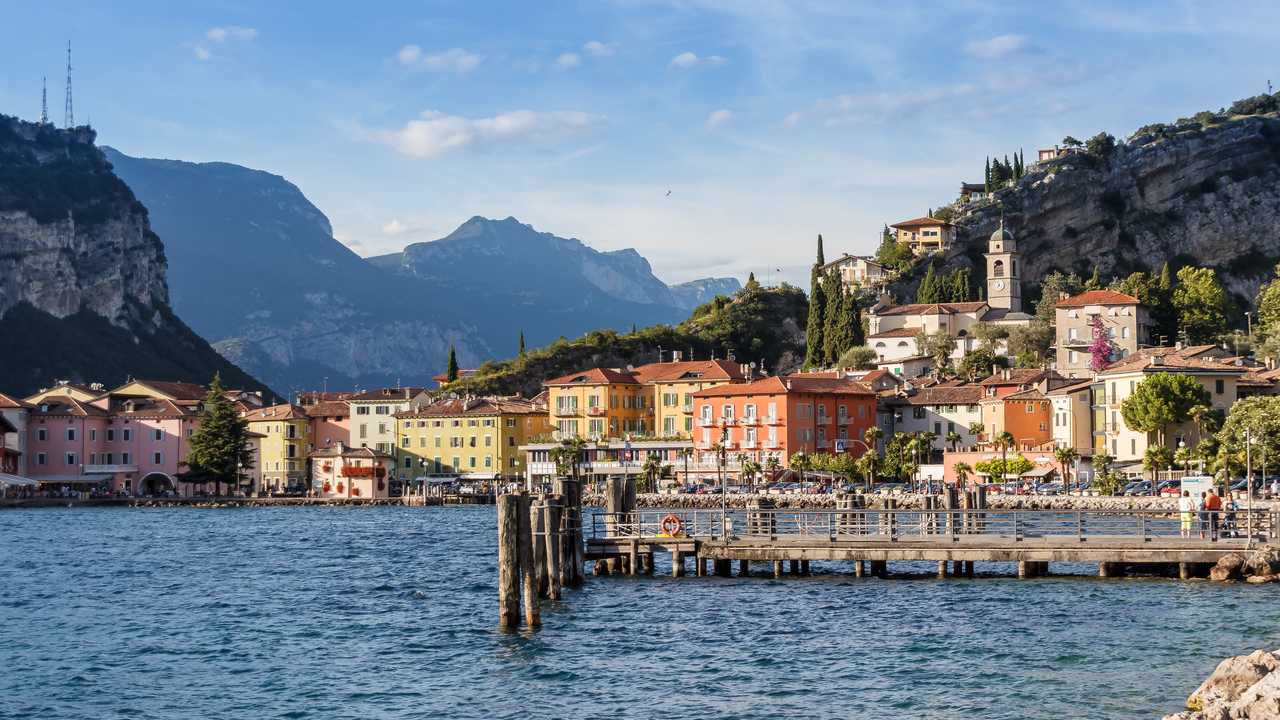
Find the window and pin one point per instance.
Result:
(471, 462)
(1071, 354)
(937, 428)
(668, 426)
(726, 412)
(1133, 446)
(488, 441)
(382, 429)
(126, 435)
(71, 432)
(471, 441)
(157, 458)
(510, 422)
(1031, 407)
(488, 461)
(292, 450)
(41, 458)
(111, 435)
(408, 462)
(404, 442)
(157, 434)
(1219, 386)
(71, 458)
(422, 441)
(93, 434)
(42, 434)
(511, 441)
(364, 430)
(382, 410)
(918, 412)
(362, 409)
(124, 459)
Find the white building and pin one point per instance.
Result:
(373, 422)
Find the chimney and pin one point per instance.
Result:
(676, 355)
(1177, 345)
(1008, 374)
(1156, 360)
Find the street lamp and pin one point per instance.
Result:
(722, 454)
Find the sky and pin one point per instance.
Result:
(715, 137)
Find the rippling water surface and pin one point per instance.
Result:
(391, 613)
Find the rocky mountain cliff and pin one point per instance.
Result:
(1202, 192)
(82, 276)
(300, 309)
(696, 292)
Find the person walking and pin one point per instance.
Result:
(1212, 508)
(1202, 515)
(1186, 510)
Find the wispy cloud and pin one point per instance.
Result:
(595, 48)
(849, 109)
(996, 47)
(719, 117)
(686, 60)
(568, 61)
(435, 133)
(395, 228)
(452, 60)
(231, 32)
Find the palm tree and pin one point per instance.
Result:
(800, 462)
(963, 470)
(976, 429)
(1066, 457)
(927, 439)
(685, 453)
(1004, 441)
(772, 466)
(872, 437)
(750, 468)
(954, 438)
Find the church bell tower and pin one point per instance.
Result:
(1003, 289)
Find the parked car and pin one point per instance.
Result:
(1142, 487)
(1169, 488)
(1240, 484)
(1049, 488)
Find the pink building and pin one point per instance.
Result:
(339, 471)
(330, 423)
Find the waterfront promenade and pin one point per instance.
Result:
(230, 501)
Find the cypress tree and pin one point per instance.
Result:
(853, 323)
(821, 260)
(832, 333)
(752, 283)
(928, 290)
(814, 350)
(986, 177)
(522, 343)
(451, 374)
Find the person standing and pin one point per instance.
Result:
(1186, 509)
(1212, 508)
(1229, 515)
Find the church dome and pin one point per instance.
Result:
(1001, 235)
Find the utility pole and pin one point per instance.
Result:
(44, 101)
(70, 116)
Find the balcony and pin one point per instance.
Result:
(571, 411)
(687, 409)
(595, 411)
(706, 422)
(843, 419)
(772, 420)
(108, 469)
(748, 444)
(749, 420)
(771, 445)
(823, 419)
(823, 444)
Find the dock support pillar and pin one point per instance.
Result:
(858, 568)
(968, 568)
(633, 558)
(1110, 569)
(793, 567)
(942, 569)
(555, 547)
(699, 566)
(723, 567)
(804, 567)
(1025, 570)
(1184, 571)
(777, 568)
(677, 564)
(744, 568)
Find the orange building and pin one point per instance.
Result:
(1024, 414)
(780, 416)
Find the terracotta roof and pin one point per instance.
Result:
(329, 408)
(177, 390)
(1165, 359)
(691, 370)
(1072, 387)
(594, 376)
(895, 333)
(1017, 376)
(1098, 297)
(1030, 394)
(932, 308)
(387, 394)
(66, 405)
(147, 407)
(286, 411)
(941, 395)
(920, 222)
(12, 403)
(477, 406)
(791, 383)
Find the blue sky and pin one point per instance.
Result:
(769, 121)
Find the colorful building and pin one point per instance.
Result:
(371, 421)
(779, 416)
(284, 447)
(339, 471)
(939, 409)
(925, 234)
(469, 438)
(1124, 320)
(14, 446)
(600, 403)
(1073, 416)
(673, 385)
(330, 423)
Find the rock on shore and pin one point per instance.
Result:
(1245, 687)
(905, 501)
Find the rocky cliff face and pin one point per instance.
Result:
(1189, 194)
(82, 276)
(696, 292)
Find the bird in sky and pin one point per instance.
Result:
(668, 193)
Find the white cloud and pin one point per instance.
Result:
(436, 133)
(718, 118)
(202, 53)
(395, 227)
(791, 120)
(451, 60)
(851, 109)
(689, 60)
(568, 61)
(996, 47)
(231, 32)
(595, 48)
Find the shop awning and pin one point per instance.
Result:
(87, 479)
(8, 481)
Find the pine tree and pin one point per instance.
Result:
(522, 343)
(218, 450)
(1095, 280)
(928, 291)
(814, 350)
(451, 374)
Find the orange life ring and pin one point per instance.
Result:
(672, 526)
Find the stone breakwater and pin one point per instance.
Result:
(905, 501)
(1245, 687)
(230, 502)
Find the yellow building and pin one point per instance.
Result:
(599, 403)
(673, 384)
(473, 438)
(285, 445)
(925, 234)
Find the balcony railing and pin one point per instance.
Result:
(101, 469)
(595, 411)
(823, 444)
(843, 419)
(748, 444)
(570, 411)
(771, 444)
(687, 409)
(749, 420)
(706, 422)
(771, 420)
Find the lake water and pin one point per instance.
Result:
(391, 613)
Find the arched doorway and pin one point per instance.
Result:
(156, 483)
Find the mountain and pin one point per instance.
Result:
(696, 292)
(1203, 191)
(83, 292)
(300, 309)
(754, 325)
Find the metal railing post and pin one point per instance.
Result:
(1017, 529)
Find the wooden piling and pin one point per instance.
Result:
(942, 569)
(777, 568)
(508, 561)
(528, 569)
(677, 563)
(744, 568)
(700, 566)
(633, 558)
(857, 568)
(555, 546)
(613, 492)
(537, 527)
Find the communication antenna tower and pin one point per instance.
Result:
(44, 101)
(70, 118)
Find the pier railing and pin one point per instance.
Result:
(932, 525)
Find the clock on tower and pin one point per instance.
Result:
(1003, 289)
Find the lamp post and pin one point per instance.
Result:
(1248, 486)
(722, 454)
